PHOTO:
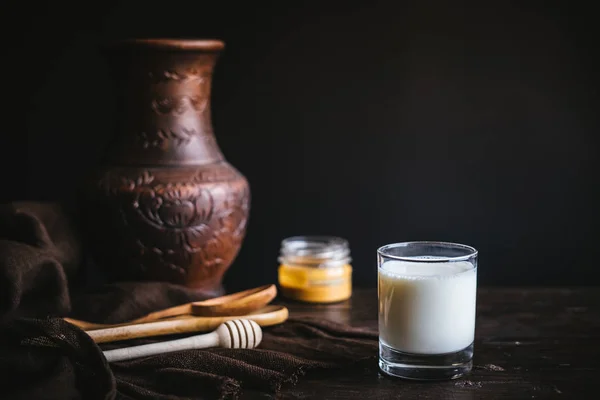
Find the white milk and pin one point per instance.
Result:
(427, 307)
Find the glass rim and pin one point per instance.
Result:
(472, 251)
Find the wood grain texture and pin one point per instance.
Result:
(270, 315)
(530, 344)
(238, 334)
(239, 303)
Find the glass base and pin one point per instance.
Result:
(425, 367)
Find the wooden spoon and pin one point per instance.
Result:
(267, 316)
(239, 304)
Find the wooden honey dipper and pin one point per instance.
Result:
(233, 334)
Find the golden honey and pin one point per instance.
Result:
(315, 269)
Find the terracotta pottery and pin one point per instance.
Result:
(166, 205)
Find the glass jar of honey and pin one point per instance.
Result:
(315, 269)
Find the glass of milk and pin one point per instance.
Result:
(427, 294)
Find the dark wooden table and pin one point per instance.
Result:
(530, 343)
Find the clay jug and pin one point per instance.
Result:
(166, 205)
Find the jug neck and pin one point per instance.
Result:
(163, 102)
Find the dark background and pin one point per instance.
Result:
(375, 121)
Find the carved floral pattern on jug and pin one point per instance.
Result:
(175, 225)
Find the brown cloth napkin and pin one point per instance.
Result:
(43, 357)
